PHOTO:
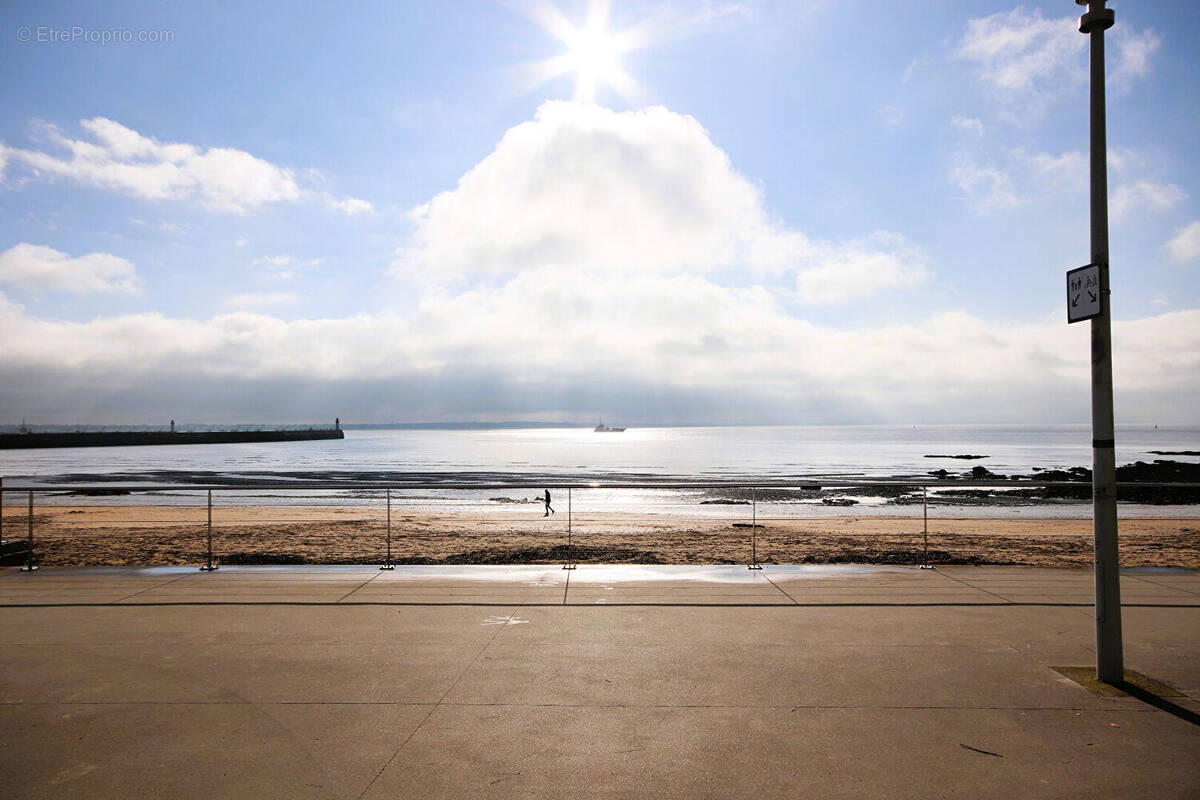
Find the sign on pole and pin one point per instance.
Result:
(1083, 293)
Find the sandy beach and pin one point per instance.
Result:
(148, 535)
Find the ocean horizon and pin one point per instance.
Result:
(575, 451)
(550, 455)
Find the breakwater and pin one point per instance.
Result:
(20, 441)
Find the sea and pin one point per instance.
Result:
(535, 458)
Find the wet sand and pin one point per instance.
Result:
(153, 535)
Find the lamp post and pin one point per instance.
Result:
(1109, 657)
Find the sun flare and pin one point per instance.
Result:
(593, 52)
(594, 58)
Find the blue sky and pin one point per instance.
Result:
(765, 212)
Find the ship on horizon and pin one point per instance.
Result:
(602, 428)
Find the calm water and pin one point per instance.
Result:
(752, 452)
(746, 453)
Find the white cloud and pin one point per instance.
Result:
(972, 125)
(1015, 176)
(122, 159)
(284, 266)
(882, 261)
(1185, 244)
(1055, 173)
(1134, 50)
(992, 176)
(240, 241)
(985, 187)
(161, 227)
(1020, 51)
(594, 245)
(583, 187)
(220, 178)
(562, 336)
(920, 62)
(1144, 195)
(350, 206)
(274, 261)
(1029, 58)
(260, 300)
(38, 267)
(1126, 159)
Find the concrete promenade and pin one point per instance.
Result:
(627, 682)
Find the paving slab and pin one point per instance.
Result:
(266, 573)
(560, 752)
(775, 675)
(1087, 598)
(455, 589)
(90, 597)
(1017, 627)
(319, 589)
(881, 597)
(710, 682)
(199, 750)
(1176, 665)
(479, 597)
(1159, 626)
(232, 598)
(283, 624)
(589, 584)
(699, 595)
(171, 672)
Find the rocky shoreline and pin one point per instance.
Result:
(1071, 486)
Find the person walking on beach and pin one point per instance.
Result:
(546, 499)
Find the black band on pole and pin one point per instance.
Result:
(1100, 443)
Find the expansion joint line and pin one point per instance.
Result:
(361, 585)
(973, 586)
(1144, 579)
(435, 706)
(150, 588)
(781, 589)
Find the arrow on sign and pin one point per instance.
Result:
(1084, 299)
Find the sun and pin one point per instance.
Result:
(594, 58)
(593, 52)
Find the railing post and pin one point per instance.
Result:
(388, 564)
(925, 526)
(570, 545)
(754, 529)
(29, 559)
(210, 566)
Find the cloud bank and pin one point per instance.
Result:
(598, 264)
(575, 345)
